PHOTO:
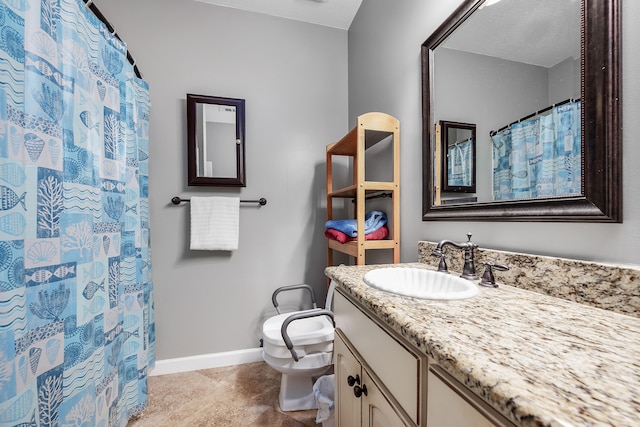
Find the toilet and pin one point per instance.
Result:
(311, 336)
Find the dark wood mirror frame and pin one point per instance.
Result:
(601, 199)
(444, 146)
(192, 122)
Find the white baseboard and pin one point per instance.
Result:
(206, 361)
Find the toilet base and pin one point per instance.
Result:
(296, 393)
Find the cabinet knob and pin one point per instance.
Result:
(351, 380)
(359, 391)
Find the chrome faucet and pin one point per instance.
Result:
(469, 268)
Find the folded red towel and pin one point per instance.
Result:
(333, 234)
(379, 234)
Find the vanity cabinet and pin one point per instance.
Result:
(366, 356)
(403, 386)
(372, 130)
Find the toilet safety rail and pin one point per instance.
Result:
(274, 297)
(298, 316)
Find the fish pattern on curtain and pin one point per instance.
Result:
(539, 157)
(460, 163)
(76, 301)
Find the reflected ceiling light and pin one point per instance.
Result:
(488, 3)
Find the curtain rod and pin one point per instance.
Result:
(93, 8)
(544, 110)
(459, 142)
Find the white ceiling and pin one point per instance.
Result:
(541, 32)
(330, 13)
(510, 24)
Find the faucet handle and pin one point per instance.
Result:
(442, 265)
(469, 236)
(488, 279)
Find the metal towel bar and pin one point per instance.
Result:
(262, 201)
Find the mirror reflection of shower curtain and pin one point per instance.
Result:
(460, 163)
(539, 157)
(76, 296)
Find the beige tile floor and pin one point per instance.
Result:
(235, 396)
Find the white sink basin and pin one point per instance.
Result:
(421, 283)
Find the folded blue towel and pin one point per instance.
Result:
(372, 221)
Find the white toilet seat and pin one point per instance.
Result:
(312, 330)
(282, 352)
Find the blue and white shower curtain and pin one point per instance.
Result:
(76, 300)
(539, 157)
(460, 163)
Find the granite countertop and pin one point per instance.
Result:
(539, 360)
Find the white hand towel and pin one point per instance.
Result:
(215, 223)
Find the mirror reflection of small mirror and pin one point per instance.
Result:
(458, 142)
(215, 141)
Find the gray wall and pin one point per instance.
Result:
(384, 75)
(564, 80)
(293, 77)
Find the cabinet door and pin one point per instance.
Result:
(376, 409)
(347, 410)
(449, 404)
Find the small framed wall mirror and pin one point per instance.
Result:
(458, 148)
(215, 141)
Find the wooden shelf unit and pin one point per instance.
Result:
(371, 128)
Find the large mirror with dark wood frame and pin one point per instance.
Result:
(541, 81)
(215, 141)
